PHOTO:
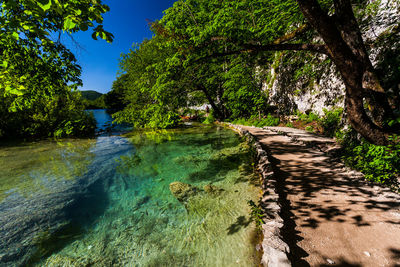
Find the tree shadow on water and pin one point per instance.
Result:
(218, 166)
(241, 222)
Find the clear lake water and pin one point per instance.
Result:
(106, 201)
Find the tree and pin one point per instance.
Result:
(38, 74)
(209, 29)
(157, 86)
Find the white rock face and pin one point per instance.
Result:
(328, 92)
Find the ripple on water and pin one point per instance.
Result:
(123, 213)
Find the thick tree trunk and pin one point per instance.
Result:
(219, 114)
(350, 31)
(347, 50)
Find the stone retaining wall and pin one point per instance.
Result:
(275, 250)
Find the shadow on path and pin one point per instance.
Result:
(327, 211)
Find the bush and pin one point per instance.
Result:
(310, 129)
(270, 121)
(290, 125)
(209, 119)
(83, 124)
(307, 118)
(254, 121)
(331, 121)
(379, 164)
(313, 117)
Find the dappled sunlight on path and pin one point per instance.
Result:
(332, 218)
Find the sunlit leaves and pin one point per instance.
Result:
(44, 4)
(69, 24)
(37, 73)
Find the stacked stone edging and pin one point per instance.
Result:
(275, 250)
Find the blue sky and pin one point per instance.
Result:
(127, 21)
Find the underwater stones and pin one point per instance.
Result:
(182, 191)
(62, 260)
(212, 189)
(226, 152)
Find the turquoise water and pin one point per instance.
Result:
(107, 201)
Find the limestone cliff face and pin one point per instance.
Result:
(324, 89)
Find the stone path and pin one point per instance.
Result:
(332, 217)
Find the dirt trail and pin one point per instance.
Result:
(332, 218)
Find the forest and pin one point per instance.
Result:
(225, 54)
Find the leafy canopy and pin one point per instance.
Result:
(37, 72)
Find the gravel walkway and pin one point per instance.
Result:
(332, 217)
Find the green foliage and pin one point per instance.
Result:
(152, 98)
(171, 70)
(256, 213)
(80, 124)
(379, 164)
(91, 95)
(242, 92)
(310, 128)
(310, 117)
(289, 124)
(38, 75)
(93, 100)
(59, 116)
(254, 121)
(209, 119)
(331, 121)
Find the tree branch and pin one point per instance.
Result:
(291, 35)
(319, 48)
(254, 48)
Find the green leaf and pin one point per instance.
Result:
(44, 5)
(69, 24)
(15, 35)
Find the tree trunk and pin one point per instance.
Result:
(347, 50)
(217, 111)
(350, 31)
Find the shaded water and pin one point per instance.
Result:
(107, 202)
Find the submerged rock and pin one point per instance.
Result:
(182, 191)
(212, 189)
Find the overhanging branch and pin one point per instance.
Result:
(291, 35)
(319, 48)
(254, 48)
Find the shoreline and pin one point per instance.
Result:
(275, 249)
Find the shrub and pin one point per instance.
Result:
(209, 119)
(289, 124)
(270, 121)
(379, 164)
(331, 121)
(307, 118)
(254, 121)
(256, 213)
(310, 129)
(312, 117)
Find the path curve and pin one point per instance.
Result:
(332, 217)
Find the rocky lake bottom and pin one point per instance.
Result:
(147, 198)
